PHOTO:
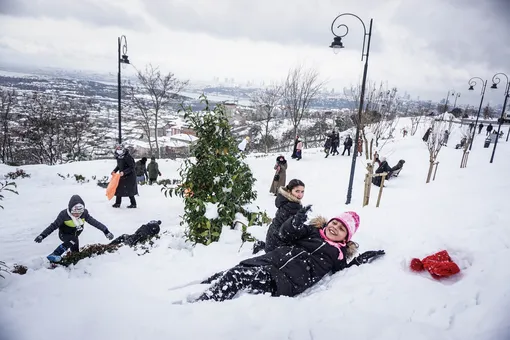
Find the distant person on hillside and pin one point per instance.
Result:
(471, 127)
(427, 134)
(308, 252)
(299, 149)
(480, 127)
(383, 167)
(489, 129)
(446, 135)
(141, 170)
(243, 144)
(127, 184)
(70, 223)
(294, 150)
(360, 146)
(347, 146)
(335, 143)
(153, 169)
(327, 145)
(280, 175)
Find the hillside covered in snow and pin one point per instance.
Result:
(129, 294)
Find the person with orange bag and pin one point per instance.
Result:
(127, 186)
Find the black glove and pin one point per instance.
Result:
(39, 239)
(368, 256)
(109, 235)
(300, 218)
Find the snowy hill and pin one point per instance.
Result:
(127, 296)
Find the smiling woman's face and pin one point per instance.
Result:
(298, 191)
(336, 231)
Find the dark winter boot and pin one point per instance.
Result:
(118, 200)
(133, 202)
(56, 256)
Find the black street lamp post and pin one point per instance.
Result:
(450, 92)
(457, 95)
(472, 84)
(121, 59)
(337, 43)
(495, 82)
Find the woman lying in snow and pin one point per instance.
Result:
(309, 253)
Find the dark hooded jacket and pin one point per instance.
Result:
(384, 167)
(65, 224)
(288, 206)
(303, 261)
(127, 183)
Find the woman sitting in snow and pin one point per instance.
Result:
(309, 253)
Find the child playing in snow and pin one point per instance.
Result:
(309, 253)
(70, 223)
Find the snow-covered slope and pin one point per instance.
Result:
(126, 296)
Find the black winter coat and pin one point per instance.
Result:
(65, 224)
(384, 167)
(303, 261)
(127, 183)
(288, 206)
(348, 143)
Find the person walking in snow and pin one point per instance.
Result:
(309, 252)
(427, 134)
(288, 203)
(127, 184)
(335, 143)
(299, 149)
(347, 146)
(141, 170)
(280, 176)
(446, 135)
(70, 223)
(360, 146)
(294, 150)
(327, 145)
(489, 129)
(471, 127)
(480, 127)
(244, 142)
(153, 170)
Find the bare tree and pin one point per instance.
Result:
(422, 110)
(154, 93)
(434, 144)
(7, 103)
(52, 128)
(266, 101)
(300, 89)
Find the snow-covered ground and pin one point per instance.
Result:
(127, 296)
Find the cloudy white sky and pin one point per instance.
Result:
(422, 47)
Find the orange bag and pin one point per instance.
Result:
(112, 186)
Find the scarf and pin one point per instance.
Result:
(337, 245)
(78, 222)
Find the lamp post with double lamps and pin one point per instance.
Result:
(472, 84)
(121, 59)
(337, 44)
(495, 81)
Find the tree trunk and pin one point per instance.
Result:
(431, 167)
(267, 139)
(371, 149)
(156, 133)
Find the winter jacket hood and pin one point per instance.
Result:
(75, 199)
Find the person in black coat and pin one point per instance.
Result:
(127, 184)
(347, 146)
(310, 252)
(294, 150)
(70, 223)
(335, 142)
(384, 167)
(288, 202)
(427, 134)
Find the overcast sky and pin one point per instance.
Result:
(421, 47)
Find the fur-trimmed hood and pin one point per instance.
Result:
(351, 248)
(291, 198)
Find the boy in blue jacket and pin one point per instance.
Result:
(69, 223)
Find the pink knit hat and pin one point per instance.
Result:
(350, 220)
